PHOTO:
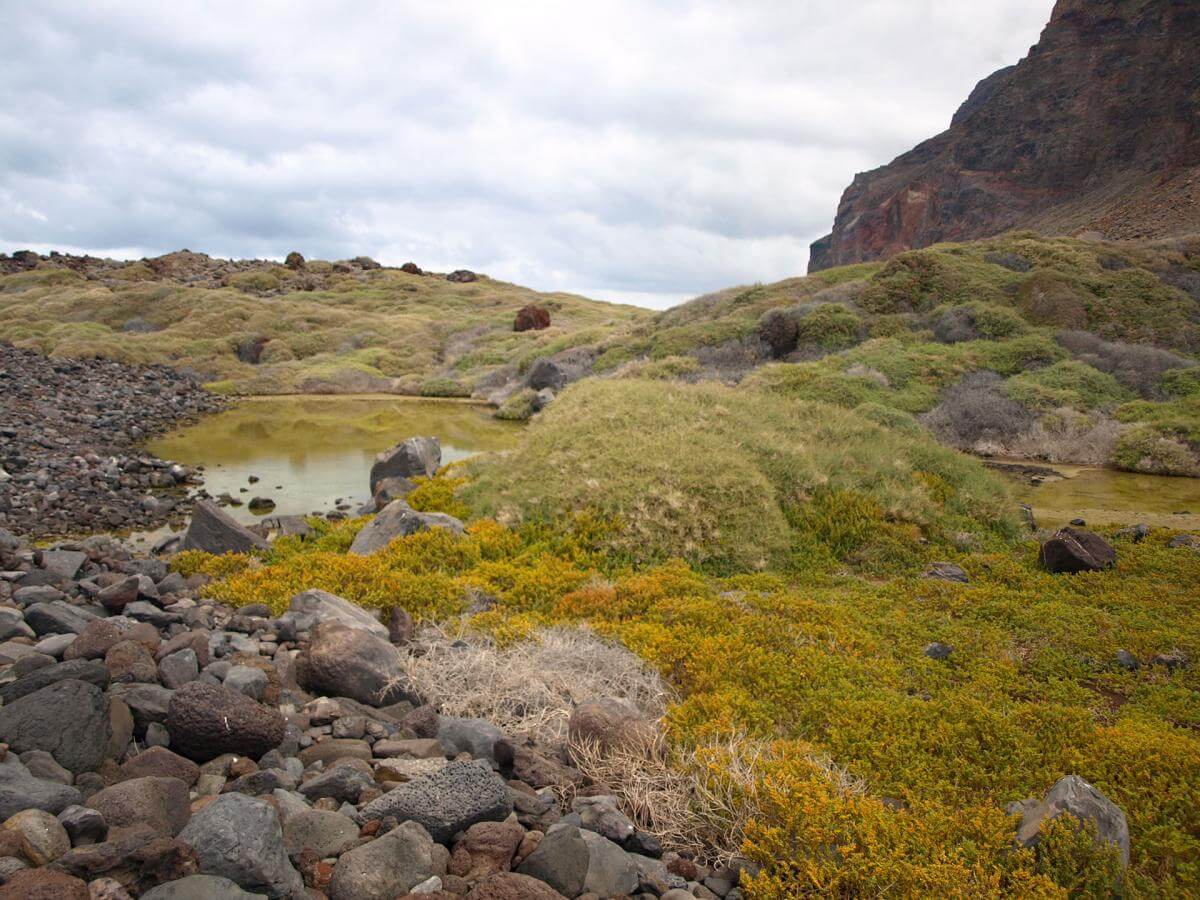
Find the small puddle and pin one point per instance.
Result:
(311, 452)
(1109, 497)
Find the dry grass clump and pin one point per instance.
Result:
(698, 799)
(528, 689)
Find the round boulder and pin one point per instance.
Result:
(207, 720)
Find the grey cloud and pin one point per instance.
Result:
(620, 149)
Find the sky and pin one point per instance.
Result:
(638, 151)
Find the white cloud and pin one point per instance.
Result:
(621, 149)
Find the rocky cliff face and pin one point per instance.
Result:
(1097, 129)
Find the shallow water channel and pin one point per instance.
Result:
(311, 452)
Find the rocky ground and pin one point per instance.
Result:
(69, 431)
(160, 744)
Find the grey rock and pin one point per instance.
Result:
(21, 790)
(1072, 795)
(215, 531)
(91, 671)
(84, 826)
(247, 680)
(938, 651)
(147, 702)
(58, 617)
(178, 668)
(42, 765)
(600, 814)
(64, 563)
(474, 736)
(13, 624)
(311, 608)
(447, 802)
(325, 831)
(387, 867)
(1127, 660)
(944, 571)
(32, 594)
(415, 456)
(239, 838)
(561, 860)
(69, 719)
(397, 520)
(343, 783)
(611, 871)
(55, 645)
(350, 662)
(200, 887)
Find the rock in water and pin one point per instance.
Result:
(214, 531)
(239, 838)
(448, 802)
(1074, 796)
(398, 520)
(69, 720)
(388, 866)
(349, 662)
(415, 456)
(206, 720)
(1074, 550)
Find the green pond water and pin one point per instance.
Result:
(1108, 497)
(310, 453)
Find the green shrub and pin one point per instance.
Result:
(831, 326)
(519, 407)
(443, 387)
(728, 478)
(1069, 383)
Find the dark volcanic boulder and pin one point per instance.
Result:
(1074, 796)
(415, 456)
(294, 261)
(214, 531)
(398, 520)
(451, 801)
(349, 662)
(546, 373)
(19, 790)
(462, 276)
(532, 318)
(779, 331)
(68, 719)
(411, 268)
(1074, 550)
(206, 720)
(387, 867)
(239, 838)
(91, 671)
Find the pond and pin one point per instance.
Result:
(1109, 497)
(311, 452)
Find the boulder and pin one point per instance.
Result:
(294, 260)
(391, 489)
(160, 804)
(462, 276)
(325, 832)
(474, 736)
(1074, 796)
(314, 607)
(560, 860)
(343, 783)
(20, 790)
(200, 887)
(84, 825)
(58, 617)
(215, 531)
(43, 884)
(207, 720)
(610, 722)
(239, 838)
(411, 268)
(91, 671)
(130, 662)
(1074, 550)
(178, 668)
(599, 813)
(447, 802)
(249, 349)
(64, 563)
(69, 720)
(513, 886)
(388, 866)
(412, 457)
(97, 637)
(545, 373)
(397, 520)
(531, 318)
(611, 871)
(485, 848)
(43, 838)
(350, 662)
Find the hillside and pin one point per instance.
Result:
(253, 326)
(1061, 349)
(1096, 130)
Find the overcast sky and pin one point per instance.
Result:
(640, 151)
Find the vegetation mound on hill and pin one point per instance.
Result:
(1059, 349)
(324, 329)
(739, 480)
